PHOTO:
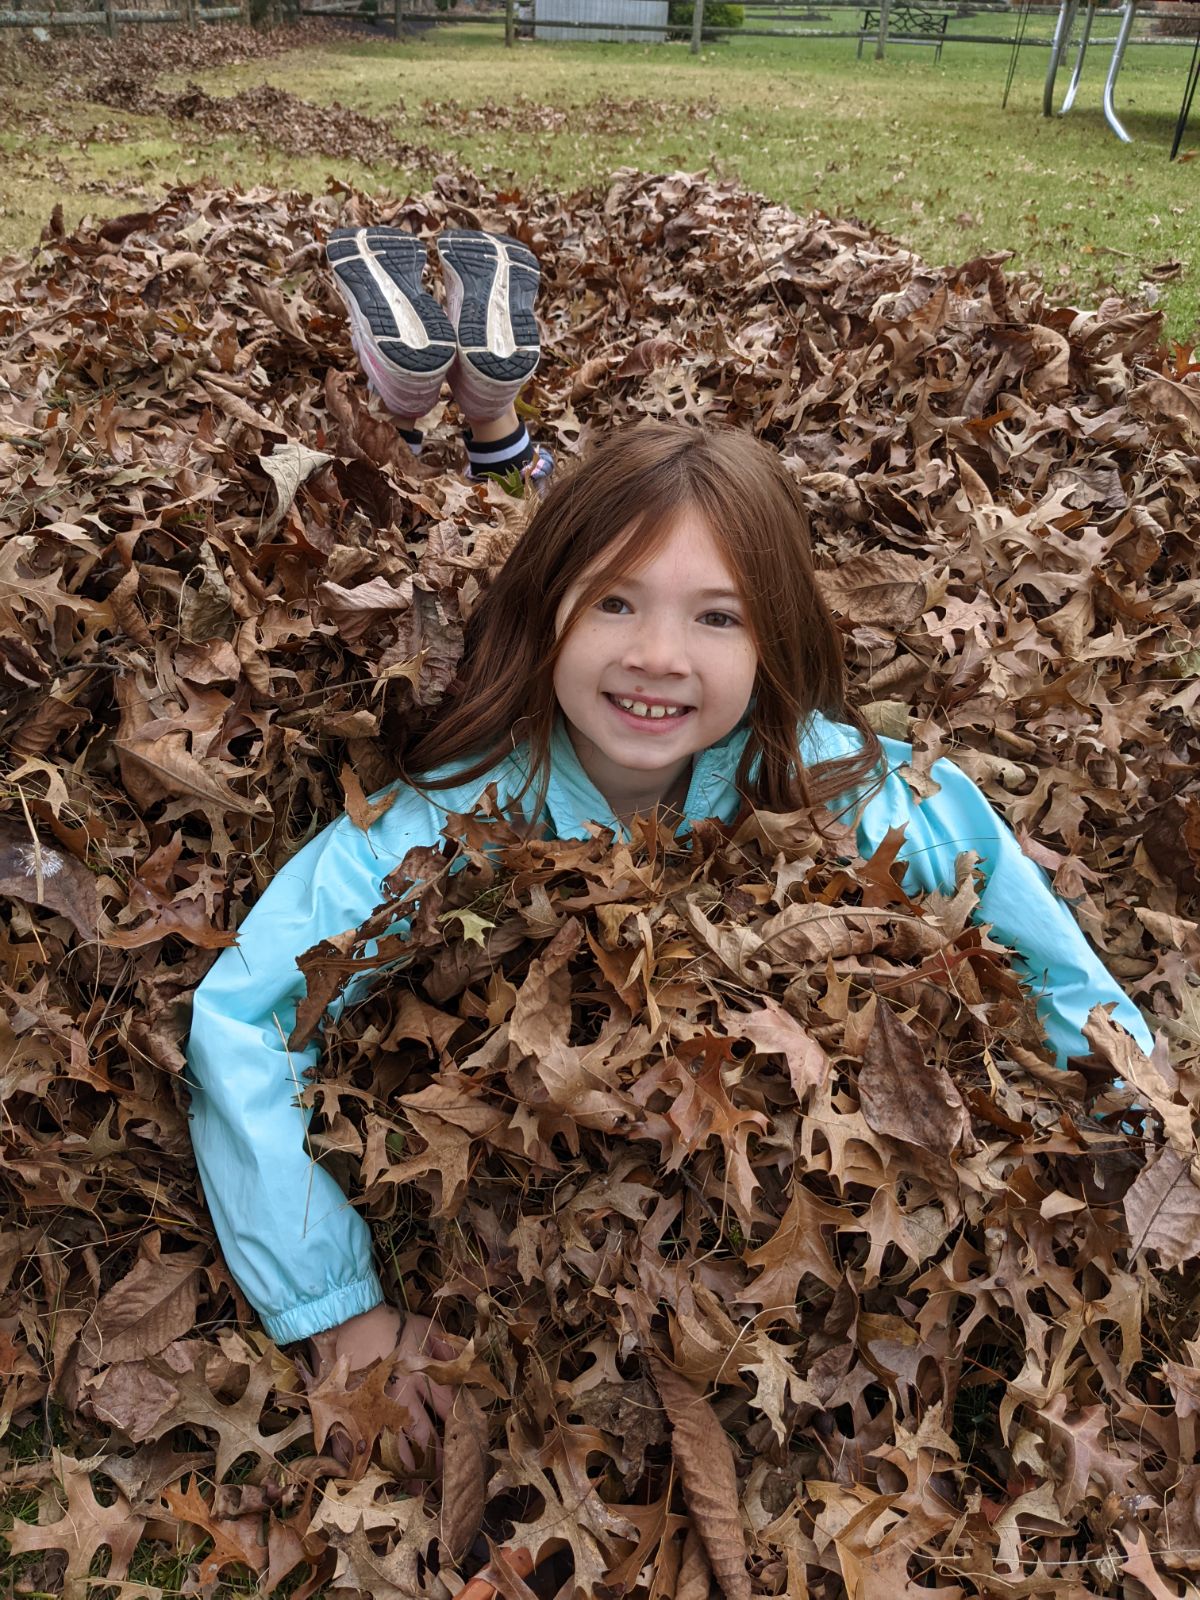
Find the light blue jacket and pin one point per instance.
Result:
(300, 1252)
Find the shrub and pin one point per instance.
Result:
(720, 14)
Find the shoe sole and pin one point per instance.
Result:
(494, 279)
(378, 274)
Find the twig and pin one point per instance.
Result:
(38, 873)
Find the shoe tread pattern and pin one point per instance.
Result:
(473, 256)
(401, 256)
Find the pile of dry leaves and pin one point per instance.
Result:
(603, 115)
(271, 116)
(778, 1259)
(146, 52)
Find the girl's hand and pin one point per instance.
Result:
(368, 1337)
(376, 1335)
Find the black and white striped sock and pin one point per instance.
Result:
(499, 456)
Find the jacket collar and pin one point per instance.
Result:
(573, 801)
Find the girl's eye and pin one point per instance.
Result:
(612, 604)
(721, 619)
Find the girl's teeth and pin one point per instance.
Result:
(641, 709)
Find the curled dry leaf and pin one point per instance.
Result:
(288, 466)
(151, 1307)
(1162, 1210)
(907, 1097)
(464, 1474)
(695, 1574)
(883, 587)
(703, 1458)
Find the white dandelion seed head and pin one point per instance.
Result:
(52, 862)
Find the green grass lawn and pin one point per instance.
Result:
(920, 149)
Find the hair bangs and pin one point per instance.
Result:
(633, 548)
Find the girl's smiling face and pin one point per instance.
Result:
(659, 667)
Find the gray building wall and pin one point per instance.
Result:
(644, 12)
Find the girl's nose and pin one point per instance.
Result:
(659, 650)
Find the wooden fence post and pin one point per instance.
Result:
(397, 20)
(510, 23)
(110, 20)
(697, 25)
(881, 42)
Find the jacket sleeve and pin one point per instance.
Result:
(299, 1251)
(1050, 950)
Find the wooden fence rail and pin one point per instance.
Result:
(111, 17)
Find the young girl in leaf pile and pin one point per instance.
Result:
(656, 639)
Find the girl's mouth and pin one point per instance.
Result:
(648, 718)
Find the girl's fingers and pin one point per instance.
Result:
(405, 1452)
(427, 1341)
(418, 1396)
(426, 1404)
(441, 1398)
(419, 1427)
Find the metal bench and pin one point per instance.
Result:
(907, 25)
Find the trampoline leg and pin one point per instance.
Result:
(1114, 68)
(1058, 46)
(1073, 89)
(1018, 41)
(1189, 94)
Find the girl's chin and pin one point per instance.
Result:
(639, 755)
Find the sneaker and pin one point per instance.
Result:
(537, 473)
(491, 285)
(400, 333)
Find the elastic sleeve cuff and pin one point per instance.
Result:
(314, 1316)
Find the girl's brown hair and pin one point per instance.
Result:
(616, 509)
